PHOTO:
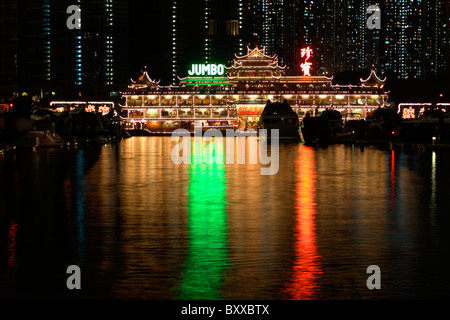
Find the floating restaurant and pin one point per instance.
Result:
(234, 97)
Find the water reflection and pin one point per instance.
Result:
(433, 204)
(12, 231)
(78, 193)
(306, 270)
(145, 228)
(12, 261)
(207, 256)
(392, 190)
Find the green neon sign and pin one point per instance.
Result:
(207, 70)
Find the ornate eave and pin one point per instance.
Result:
(373, 79)
(144, 81)
(256, 53)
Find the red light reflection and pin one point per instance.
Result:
(12, 264)
(303, 285)
(393, 175)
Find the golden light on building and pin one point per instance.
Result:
(238, 96)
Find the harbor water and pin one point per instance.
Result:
(140, 226)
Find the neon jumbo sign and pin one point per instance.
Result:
(207, 70)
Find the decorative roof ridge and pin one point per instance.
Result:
(145, 79)
(373, 76)
(255, 52)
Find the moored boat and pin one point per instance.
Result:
(42, 138)
(281, 117)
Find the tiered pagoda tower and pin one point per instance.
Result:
(144, 83)
(255, 66)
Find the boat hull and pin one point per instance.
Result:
(40, 139)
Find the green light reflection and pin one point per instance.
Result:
(207, 257)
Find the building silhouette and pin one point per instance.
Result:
(413, 40)
(39, 53)
(208, 31)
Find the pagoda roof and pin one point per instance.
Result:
(144, 80)
(373, 79)
(257, 53)
(259, 57)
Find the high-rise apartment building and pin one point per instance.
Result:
(435, 28)
(415, 36)
(25, 43)
(403, 38)
(208, 31)
(188, 35)
(38, 50)
(446, 40)
(9, 45)
(103, 43)
(223, 27)
(334, 29)
(265, 25)
(412, 41)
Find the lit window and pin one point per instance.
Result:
(233, 27)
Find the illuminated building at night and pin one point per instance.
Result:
(38, 50)
(207, 31)
(234, 96)
(413, 41)
(102, 46)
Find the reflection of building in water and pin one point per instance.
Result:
(207, 255)
(227, 97)
(306, 270)
(134, 209)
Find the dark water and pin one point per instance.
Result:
(141, 227)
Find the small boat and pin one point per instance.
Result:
(42, 138)
(279, 116)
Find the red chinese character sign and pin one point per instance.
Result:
(306, 66)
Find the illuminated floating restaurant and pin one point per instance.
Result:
(234, 97)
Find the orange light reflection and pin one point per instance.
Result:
(306, 270)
